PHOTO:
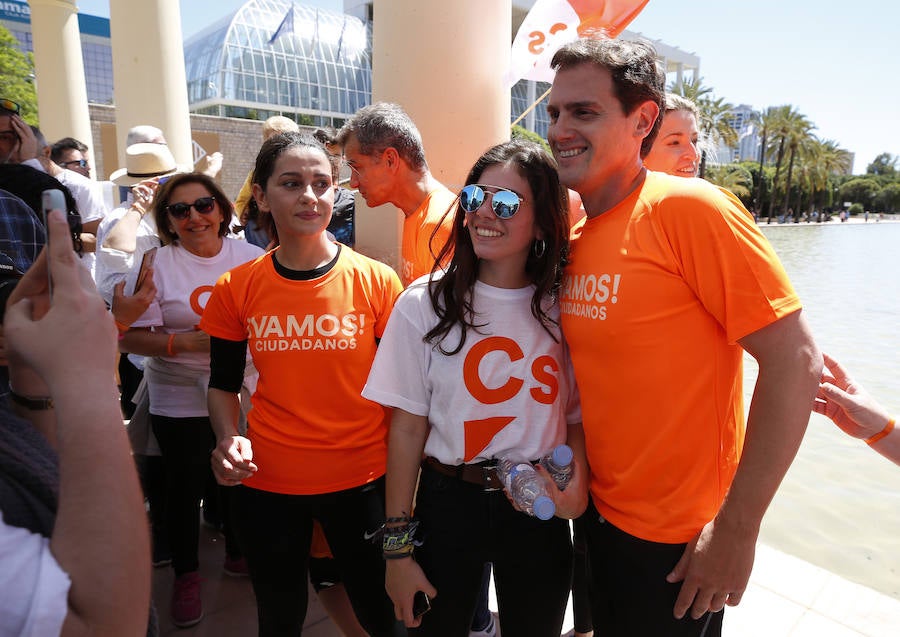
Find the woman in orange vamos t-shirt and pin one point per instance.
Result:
(309, 312)
(475, 367)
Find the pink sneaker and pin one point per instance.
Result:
(236, 567)
(187, 609)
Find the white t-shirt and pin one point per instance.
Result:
(88, 195)
(34, 589)
(184, 282)
(509, 392)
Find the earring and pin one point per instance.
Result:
(539, 248)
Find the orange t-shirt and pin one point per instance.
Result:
(419, 249)
(658, 291)
(313, 343)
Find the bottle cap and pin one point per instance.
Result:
(543, 508)
(562, 455)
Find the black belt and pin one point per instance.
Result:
(484, 475)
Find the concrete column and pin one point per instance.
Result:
(444, 64)
(148, 72)
(59, 71)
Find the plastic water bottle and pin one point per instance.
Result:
(559, 464)
(526, 488)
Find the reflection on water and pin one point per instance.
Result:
(839, 506)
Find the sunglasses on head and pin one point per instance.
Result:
(504, 202)
(77, 162)
(204, 205)
(9, 105)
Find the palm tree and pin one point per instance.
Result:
(798, 136)
(780, 118)
(824, 159)
(766, 121)
(732, 177)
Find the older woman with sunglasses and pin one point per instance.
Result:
(191, 214)
(475, 367)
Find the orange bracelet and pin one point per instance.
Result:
(170, 346)
(122, 328)
(888, 428)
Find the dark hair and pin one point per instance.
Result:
(28, 183)
(162, 198)
(381, 126)
(269, 153)
(64, 144)
(636, 74)
(451, 294)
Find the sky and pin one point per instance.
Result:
(838, 63)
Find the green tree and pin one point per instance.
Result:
(888, 198)
(798, 137)
(766, 120)
(16, 74)
(518, 132)
(861, 190)
(883, 164)
(733, 177)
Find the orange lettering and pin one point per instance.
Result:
(534, 44)
(547, 378)
(556, 28)
(479, 433)
(476, 387)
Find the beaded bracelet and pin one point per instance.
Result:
(888, 428)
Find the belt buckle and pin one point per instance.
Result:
(489, 478)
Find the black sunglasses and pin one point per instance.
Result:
(504, 202)
(80, 162)
(9, 105)
(204, 205)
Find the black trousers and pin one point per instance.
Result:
(275, 531)
(630, 596)
(465, 527)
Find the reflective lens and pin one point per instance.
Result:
(9, 105)
(204, 205)
(504, 203)
(76, 162)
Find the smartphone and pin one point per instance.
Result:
(51, 200)
(421, 604)
(146, 264)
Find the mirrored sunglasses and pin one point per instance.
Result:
(9, 105)
(204, 205)
(504, 202)
(75, 162)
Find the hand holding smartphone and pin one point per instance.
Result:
(146, 264)
(51, 200)
(421, 604)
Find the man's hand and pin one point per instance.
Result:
(28, 146)
(714, 569)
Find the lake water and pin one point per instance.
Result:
(839, 506)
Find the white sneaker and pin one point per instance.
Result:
(492, 630)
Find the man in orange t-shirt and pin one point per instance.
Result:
(669, 282)
(383, 149)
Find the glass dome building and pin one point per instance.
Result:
(275, 57)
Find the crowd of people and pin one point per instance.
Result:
(353, 427)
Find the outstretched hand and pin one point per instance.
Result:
(844, 401)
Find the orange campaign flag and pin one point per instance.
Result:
(553, 23)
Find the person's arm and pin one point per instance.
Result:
(406, 443)
(100, 537)
(859, 415)
(140, 340)
(122, 236)
(716, 565)
(232, 459)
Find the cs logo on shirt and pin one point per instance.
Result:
(544, 370)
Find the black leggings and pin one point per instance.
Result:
(275, 531)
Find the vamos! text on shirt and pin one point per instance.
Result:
(309, 332)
